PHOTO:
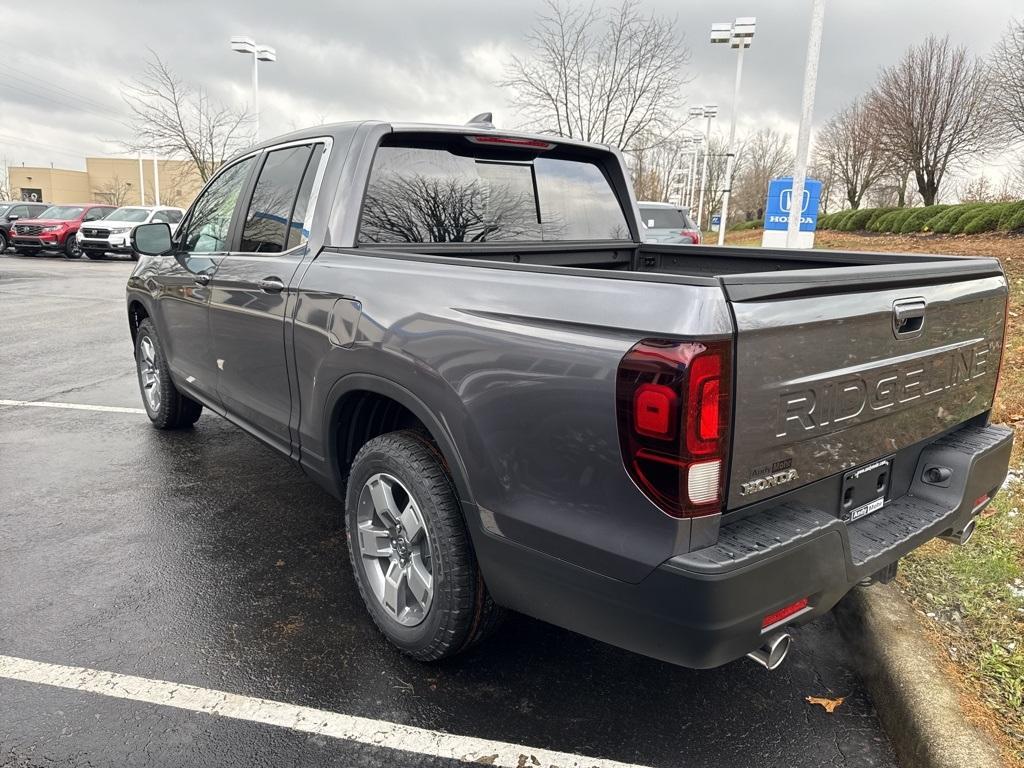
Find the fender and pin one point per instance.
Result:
(382, 386)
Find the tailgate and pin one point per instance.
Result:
(834, 372)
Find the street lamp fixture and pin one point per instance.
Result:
(739, 35)
(259, 52)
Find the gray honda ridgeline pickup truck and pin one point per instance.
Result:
(461, 334)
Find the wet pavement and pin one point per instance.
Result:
(204, 558)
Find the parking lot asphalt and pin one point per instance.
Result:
(203, 558)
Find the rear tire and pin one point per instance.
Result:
(459, 611)
(166, 407)
(3, 242)
(94, 255)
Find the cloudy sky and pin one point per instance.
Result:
(62, 62)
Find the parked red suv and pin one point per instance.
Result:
(55, 229)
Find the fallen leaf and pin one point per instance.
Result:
(829, 705)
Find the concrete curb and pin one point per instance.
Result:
(917, 703)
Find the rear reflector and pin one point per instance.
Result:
(654, 410)
(784, 613)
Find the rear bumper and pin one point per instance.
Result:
(706, 608)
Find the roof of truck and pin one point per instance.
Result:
(345, 130)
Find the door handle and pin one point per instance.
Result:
(201, 279)
(270, 285)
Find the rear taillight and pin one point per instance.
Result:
(673, 413)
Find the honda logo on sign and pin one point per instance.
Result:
(786, 201)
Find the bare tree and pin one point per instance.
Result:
(849, 145)
(604, 77)
(1007, 68)
(767, 154)
(172, 118)
(116, 192)
(658, 164)
(6, 191)
(982, 189)
(933, 111)
(423, 209)
(715, 183)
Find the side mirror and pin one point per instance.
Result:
(13, 217)
(152, 239)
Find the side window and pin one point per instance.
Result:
(160, 217)
(298, 231)
(273, 200)
(20, 210)
(209, 226)
(173, 217)
(95, 213)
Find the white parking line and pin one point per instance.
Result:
(378, 733)
(73, 406)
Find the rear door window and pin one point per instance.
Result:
(462, 193)
(268, 220)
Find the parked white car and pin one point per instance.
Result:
(114, 233)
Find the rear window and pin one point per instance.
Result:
(469, 194)
(666, 218)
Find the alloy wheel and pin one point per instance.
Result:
(394, 545)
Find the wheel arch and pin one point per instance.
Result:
(137, 312)
(370, 391)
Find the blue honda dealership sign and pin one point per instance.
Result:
(780, 203)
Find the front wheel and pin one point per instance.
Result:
(410, 551)
(71, 249)
(3, 242)
(166, 407)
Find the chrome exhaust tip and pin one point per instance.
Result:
(773, 652)
(962, 536)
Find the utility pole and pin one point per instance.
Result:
(142, 183)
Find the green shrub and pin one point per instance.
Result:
(744, 225)
(1015, 221)
(835, 220)
(986, 220)
(947, 221)
(878, 222)
(899, 218)
(1011, 212)
(823, 220)
(989, 212)
(918, 218)
(858, 219)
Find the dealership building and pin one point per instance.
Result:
(111, 180)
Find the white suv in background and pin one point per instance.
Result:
(114, 233)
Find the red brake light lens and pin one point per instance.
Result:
(673, 410)
(512, 141)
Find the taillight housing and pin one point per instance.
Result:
(673, 409)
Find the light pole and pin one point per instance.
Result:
(708, 111)
(691, 192)
(247, 45)
(738, 35)
(803, 141)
